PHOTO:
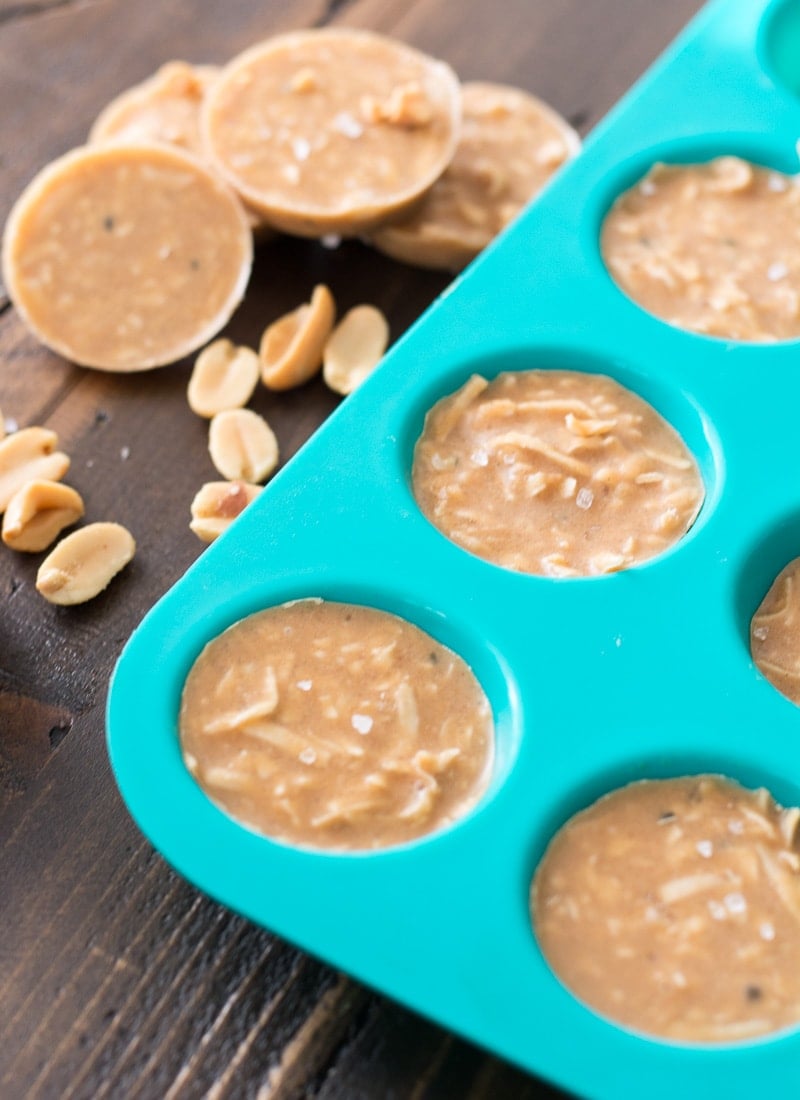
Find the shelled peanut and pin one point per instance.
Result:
(37, 507)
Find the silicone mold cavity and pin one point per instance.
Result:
(779, 44)
(761, 149)
(676, 406)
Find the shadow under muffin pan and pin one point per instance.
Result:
(641, 674)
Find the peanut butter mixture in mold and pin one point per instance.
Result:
(713, 248)
(511, 144)
(126, 257)
(331, 131)
(673, 908)
(775, 633)
(334, 726)
(558, 473)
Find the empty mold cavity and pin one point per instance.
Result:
(699, 889)
(677, 407)
(778, 44)
(456, 635)
(756, 149)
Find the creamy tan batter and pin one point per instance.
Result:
(775, 633)
(336, 726)
(126, 257)
(511, 144)
(713, 248)
(331, 131)
(673, 907)
(165, 107)
(559, 473)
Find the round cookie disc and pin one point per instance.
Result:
(165, 107)
(126, 257)
(331, 131)
(511, 143)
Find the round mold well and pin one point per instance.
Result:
(677, 406)
(773, 550)
(778, 44)
(760, 149)
(671, 763)
(452, 631)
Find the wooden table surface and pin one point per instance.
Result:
(119, 979)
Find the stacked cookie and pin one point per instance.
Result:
(134, 251)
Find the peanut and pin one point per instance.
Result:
(242, 445)
(84, 563)
(224, 377)
(217, 505)
(38, 513)
(291, 347)
(355, 348)
(27, 455)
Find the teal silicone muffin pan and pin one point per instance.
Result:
(593, 682)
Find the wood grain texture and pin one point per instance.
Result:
(117, 978)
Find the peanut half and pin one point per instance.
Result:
(242, 445)
(291, 347)
(355, 348)
(38, 513)
(27, 455)
(224, 377)
(84, 563)
(217, 504)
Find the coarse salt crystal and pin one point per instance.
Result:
(304, 685)
(346, 124)
(736, 827)
(11, 425)
(705, 848)
(777, 183)
(330, 240)
(777, 271)
(361, 723)
(584, 499)
(124, 453)
(735, 903)
(308, 756)
(480, 458)
(301, 148)
(760, 632)
(647, 187)
(717, 911)
(766, 930)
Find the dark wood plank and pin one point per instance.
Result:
(117, 978)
